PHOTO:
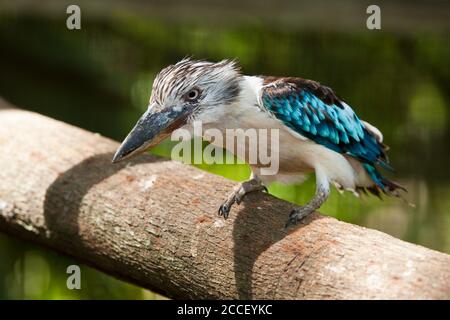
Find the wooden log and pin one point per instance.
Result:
(153, 222)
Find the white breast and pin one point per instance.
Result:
(297, 155)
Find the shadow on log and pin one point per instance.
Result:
(153, 222)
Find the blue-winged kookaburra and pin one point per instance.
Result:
(318, 132)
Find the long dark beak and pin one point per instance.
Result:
(153, 127)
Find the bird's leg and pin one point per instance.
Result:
(254, 184)
(322, 193)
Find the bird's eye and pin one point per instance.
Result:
(192, 95)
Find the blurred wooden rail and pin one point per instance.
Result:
(153, 222)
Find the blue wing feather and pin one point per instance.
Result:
(314, 111)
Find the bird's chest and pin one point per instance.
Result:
(257, 138)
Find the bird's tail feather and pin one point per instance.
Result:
(382, 185)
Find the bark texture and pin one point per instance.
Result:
(153, 222)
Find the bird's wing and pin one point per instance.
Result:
(317, 113)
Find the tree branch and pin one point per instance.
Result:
(153, 222)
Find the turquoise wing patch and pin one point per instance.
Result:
(315, 112)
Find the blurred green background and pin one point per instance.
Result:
(99, 78)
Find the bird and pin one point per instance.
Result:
(319, 133)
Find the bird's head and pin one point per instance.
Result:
(180, 93)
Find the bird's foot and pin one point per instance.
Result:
(238, 195)
(302, 212)
(298, 214)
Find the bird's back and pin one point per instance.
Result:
(314, 112)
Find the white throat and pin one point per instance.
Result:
(231, 115)
(250, 90)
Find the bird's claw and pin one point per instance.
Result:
(224, 211)
(297, 215)
(225, 208)
(238, 195)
